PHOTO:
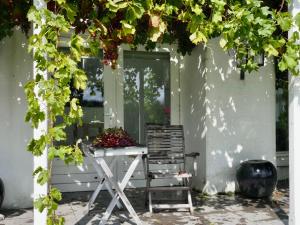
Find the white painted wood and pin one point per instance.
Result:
(76, 187)
(294, 131)
(101, 184)
(103, 170)
(75, 178)
(72, 178)
(40, 190)
(95, 194)
(190, 202)
(170, 206)
(179, 188)
(294, 144)
(118, 92)
(125, 151)
(119, 189)
(72, 169)
(100, 172)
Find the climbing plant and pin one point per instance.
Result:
(249, 27)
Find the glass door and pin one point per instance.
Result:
(70, 178)
(146, 91)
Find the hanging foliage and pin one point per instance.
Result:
(250, 27)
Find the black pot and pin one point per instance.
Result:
(257, 178)
(1, 192)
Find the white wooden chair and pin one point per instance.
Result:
(166, 146)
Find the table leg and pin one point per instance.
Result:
(95, 194)
(103, 181)
(119, 189)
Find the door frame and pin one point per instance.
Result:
(117, 76)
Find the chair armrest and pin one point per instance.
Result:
(192, 154)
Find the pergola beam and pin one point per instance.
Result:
(294, 140)
(40, 190)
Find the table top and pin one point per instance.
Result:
(120, 151)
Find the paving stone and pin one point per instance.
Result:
(214, 210)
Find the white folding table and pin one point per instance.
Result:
(107, 178)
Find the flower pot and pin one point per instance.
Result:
(1, 192)
(257, 178)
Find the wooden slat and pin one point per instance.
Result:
(172, 188)
(170, 206)
(90, 186)
(155, 175)
(73, 178)
(58, 162)
(73, 169)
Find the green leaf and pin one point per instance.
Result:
(115, 7)
(197, 9)
(58, 133)
(60, 2)
(266, 11)
(223, 42)
(37, 147)
(137, 10)
(71, 12)
(43, 175)
(127, 28)
(198, 37)
(55, 194)
(290, 61)
(34, 15)
(297, 19)
(39, 204)
(79, 79)
(270, 50)
(285, 21)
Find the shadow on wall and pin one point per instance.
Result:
(226, 119)
(234, 119)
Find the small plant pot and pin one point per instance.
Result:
(257, 178)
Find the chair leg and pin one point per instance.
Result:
(190, 201)
(150, 201)
(147, 191)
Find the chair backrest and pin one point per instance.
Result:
(165, 144)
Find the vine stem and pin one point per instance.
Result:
(281, 5)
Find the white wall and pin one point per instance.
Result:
(238, 122)
(193, 81)
(16, 164)
(240, 117)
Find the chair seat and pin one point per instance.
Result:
(160, 175)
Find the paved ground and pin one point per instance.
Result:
(216, 210)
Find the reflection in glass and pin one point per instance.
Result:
(146, 91)
(91, 99)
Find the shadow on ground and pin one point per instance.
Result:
(209, 210)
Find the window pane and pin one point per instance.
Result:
(146, 91)
(91, 99)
